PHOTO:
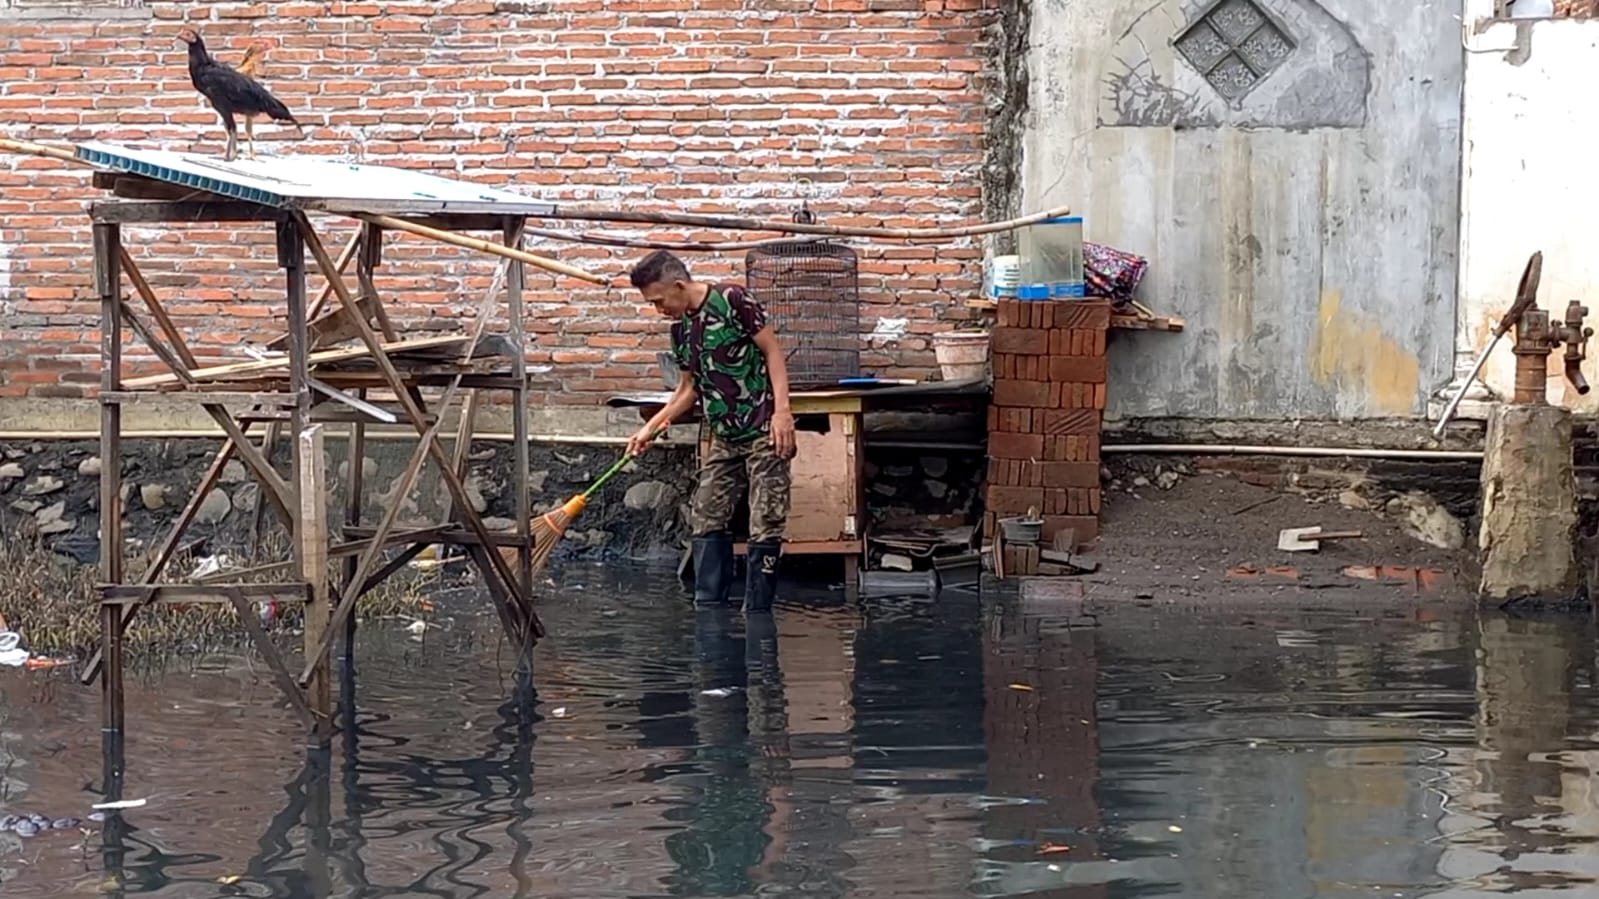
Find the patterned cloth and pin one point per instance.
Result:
(724, 473)
(715, 345)
(1112, 273)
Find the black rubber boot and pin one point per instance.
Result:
(760, 582)
(713, 568)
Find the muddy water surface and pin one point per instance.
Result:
(886, 748)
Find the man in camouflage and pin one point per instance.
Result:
(732, 365)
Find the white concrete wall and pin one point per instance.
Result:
(1307, 232)
(1528, 183)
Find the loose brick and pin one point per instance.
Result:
(1015, 446)
(1029, 342)
(1021, 561)
(1068, 421)
(1054, 502)
(1031, 474)
(999, 474)
(1070, 474)
(1090, 369)
(1084, 527)
(1033, 394)
(1014, 500)
(1085, 314)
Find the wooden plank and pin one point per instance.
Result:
(515, 281)
(264, 645)
(453, 535)
(199, 395)
(199, 593)
(342, 354)
(314, 313)
(108, 281)
(1138, 323)
(155, 212)
(813, 548)
(823, 503)
(312, 539)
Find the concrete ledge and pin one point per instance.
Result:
(1374, 433)
(44, 418)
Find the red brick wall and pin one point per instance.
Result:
(697, 105)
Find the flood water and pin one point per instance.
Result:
(885, 748)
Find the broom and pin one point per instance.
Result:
(549, 528)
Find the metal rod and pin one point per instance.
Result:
(1526, 296)
(1212, 449)
(377, 412)
(1454, 402)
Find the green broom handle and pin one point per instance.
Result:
(617, 466)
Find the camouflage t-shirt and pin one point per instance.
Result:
(715, 346)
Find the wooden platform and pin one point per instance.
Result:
(339, 359)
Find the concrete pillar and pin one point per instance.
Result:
(1529, 505)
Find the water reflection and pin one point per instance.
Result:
(895, 747)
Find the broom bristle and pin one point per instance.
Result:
(551, 527)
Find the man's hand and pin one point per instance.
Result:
(642, 438)
(783, 435)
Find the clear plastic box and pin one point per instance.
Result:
(1051, 258)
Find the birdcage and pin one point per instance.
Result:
(811, 293)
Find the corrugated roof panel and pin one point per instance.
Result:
(309, 182)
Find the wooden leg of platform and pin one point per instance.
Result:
(515, 281)
(352, 518)
(310, 522)
(313, 547)
(108, 278)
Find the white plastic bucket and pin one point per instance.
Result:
(962, 355)
(1004, 274)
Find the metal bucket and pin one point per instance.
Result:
(1022, 531)
(900, 583)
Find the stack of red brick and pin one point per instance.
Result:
(1044, 421)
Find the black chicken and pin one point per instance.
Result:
(232, 93)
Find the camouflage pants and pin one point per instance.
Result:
(726, 470)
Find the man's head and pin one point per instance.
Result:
(664, 281)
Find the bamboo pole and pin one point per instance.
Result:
(474, 243)
(738, 223)
(719, 222)
(685, 246)
(33, 149)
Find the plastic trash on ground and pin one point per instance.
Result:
(12, 655)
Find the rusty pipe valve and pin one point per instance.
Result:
(1575, 336)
